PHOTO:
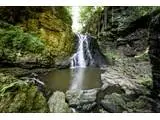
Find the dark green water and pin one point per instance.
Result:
(77, 78)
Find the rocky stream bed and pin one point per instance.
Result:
(124, 88)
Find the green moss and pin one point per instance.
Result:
(52, 38)
(114, 103)
(146, 81)
(20, 96)
(38, 104)
(13, 41)
(112, 56)
(141, 104)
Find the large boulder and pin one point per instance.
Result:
(114, 103)
(57, 103)
(82, 100)
(118, 103)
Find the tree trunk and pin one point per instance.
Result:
(105, 17)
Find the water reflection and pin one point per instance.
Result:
(77, 78)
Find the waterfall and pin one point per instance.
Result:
(87, 54)
(79, 62)
(83, 53)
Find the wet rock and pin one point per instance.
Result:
(82, 100)
(57, 103)
(73, 97)
(33, 61)
(113, 103)
(113, 78)
(142, 104)
(63, 64)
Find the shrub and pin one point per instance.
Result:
(13, 40)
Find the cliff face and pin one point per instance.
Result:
(122, 29)
(154, 53)
(50, 24)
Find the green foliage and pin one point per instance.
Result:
(13, 39)
(64, 13)
(143, 10)
(87, 12)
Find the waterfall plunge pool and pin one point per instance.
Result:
(76, 78)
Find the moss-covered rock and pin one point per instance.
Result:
(19, 47)
(141, 104)
(20, 96)
(52, 25)
(114, 103)
(57, 103)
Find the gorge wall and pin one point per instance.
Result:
(122, 29)
(131, 33)
(51, 25)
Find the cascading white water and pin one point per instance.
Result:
(78, 59)
(78, 62)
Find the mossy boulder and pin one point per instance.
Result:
(114, 103)
(20, 96)
(57, 103)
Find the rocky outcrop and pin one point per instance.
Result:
(133, 44)
(127, 88)
(112, 79)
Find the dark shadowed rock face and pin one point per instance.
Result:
(154, 52)
(91, 52)
(122, 28)
(134, 43)
(98, 57)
